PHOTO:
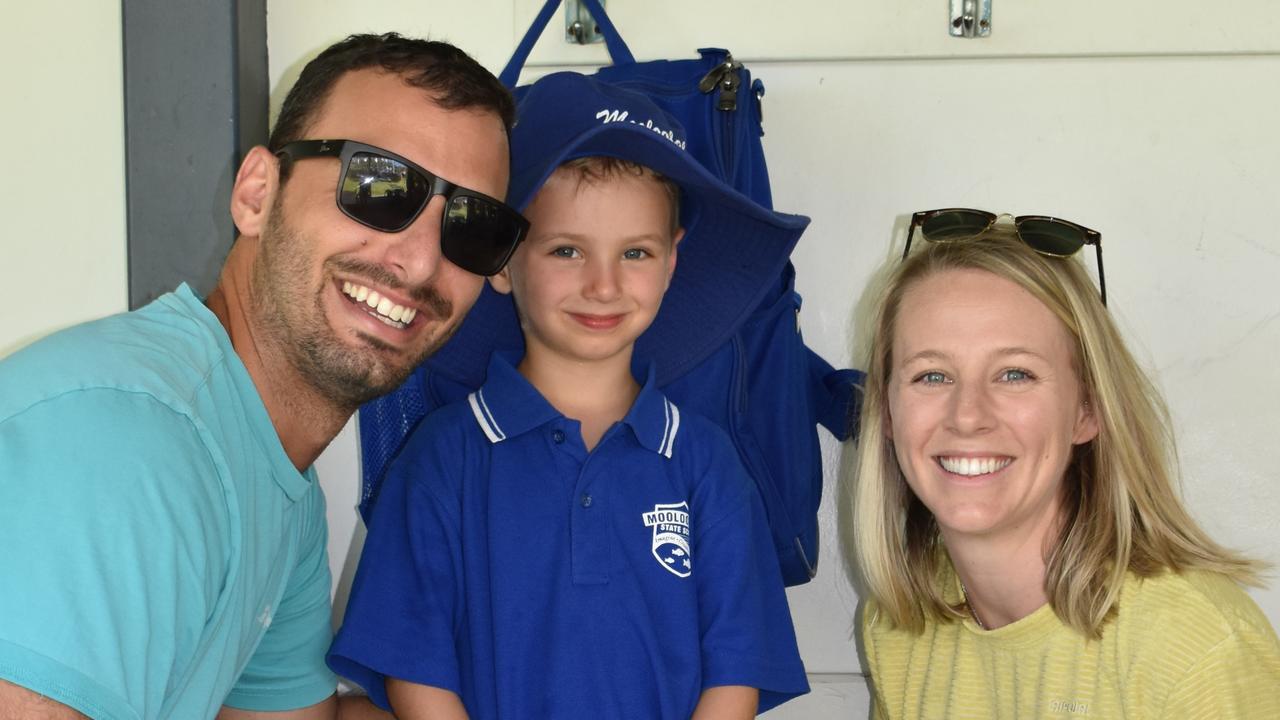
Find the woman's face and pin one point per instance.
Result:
(984, 405)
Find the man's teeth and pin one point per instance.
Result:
(973, 466)
(383, 306)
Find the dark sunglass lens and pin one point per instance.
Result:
(383, 193)
(478, 234)
(954, 224)
(1051, 237)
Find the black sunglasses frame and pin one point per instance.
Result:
(345, 150)
(1087, 235)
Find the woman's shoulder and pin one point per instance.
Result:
(1189, 616)
(1196, 639)
(1194, 598)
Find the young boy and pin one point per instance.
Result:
(566, 543)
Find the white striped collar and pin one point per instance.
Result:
(507, 405)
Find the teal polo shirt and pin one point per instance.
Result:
(159, 554)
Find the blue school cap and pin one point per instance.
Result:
(733, 252)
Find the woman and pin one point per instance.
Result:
(1015, 519)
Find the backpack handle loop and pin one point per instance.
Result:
(618, 50)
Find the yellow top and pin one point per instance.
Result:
(1190, 645)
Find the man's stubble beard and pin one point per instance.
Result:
(291, 316)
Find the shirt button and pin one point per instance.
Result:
(558, 436)
(586, 501)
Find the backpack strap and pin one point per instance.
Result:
(618, 50)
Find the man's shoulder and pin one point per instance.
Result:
(162, 350)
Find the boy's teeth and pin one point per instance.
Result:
(383, 306)
(973, 466)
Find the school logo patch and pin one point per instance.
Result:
(670, 525)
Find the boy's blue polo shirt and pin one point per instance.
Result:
(536, 580)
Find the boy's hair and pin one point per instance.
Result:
(600, 168)
(452, 78)
(1121, 511)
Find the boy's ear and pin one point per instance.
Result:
(671, 259)
(253, 193)
(501, 281)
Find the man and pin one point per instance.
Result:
(163, 537)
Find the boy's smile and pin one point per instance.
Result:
(598, 322)
(590, 277)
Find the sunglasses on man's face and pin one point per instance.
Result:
(1046, 235)
(386, 192)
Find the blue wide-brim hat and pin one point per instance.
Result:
(733, 252)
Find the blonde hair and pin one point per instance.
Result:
(1121, 511)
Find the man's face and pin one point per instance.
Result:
(317, 269)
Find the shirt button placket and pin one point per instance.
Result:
(590, 553)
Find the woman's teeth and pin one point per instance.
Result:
(973, 466)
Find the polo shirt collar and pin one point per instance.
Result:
(653, 418)
(507, 405)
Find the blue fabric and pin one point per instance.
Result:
(536, 580)
(161, 555)
(726, 339)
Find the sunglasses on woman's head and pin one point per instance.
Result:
(386, 192)
(1049, 236)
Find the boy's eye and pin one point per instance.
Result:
(635, 254)
(565, 252)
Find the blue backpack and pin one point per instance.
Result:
(744, 366)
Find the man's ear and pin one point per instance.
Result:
(254, 190)
(501, 280)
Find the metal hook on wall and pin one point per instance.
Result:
(579, 26)
(970, 18)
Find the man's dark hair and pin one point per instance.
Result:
(452, 78)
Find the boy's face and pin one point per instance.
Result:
(591, 274)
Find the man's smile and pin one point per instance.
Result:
(380, 307)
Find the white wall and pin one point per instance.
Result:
(62, 229)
